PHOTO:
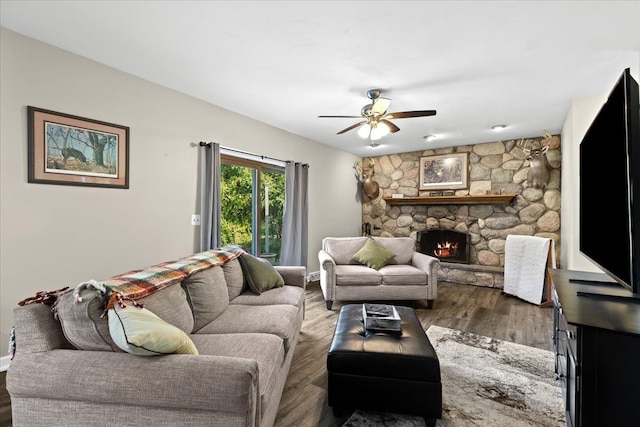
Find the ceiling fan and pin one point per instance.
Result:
(376, 118)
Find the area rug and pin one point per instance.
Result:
(485, 382)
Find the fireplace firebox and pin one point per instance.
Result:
(446, 245)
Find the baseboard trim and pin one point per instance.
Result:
(5, 361)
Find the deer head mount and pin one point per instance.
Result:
(365, 177)
(539, 168)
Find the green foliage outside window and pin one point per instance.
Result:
(235, 198)
(236, 210)
(275, 181)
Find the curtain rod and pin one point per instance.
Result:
(203, 143)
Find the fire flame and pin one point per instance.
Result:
(446, 249)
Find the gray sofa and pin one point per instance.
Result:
(409, 275)
(68, 372)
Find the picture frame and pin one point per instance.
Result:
(444, 171)
(64, 149)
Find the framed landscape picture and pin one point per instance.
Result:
(444, 172)
(71, 150)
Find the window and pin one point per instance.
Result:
(252, 205)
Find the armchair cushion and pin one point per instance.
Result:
(341, 249)
(357, 275)
(373, 255)
(402, 275)
(402, 247)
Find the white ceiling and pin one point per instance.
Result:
(478, 63)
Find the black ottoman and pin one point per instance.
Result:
(380, 371)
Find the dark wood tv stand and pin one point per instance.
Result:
(597, 345)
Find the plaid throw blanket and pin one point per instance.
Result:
(140, 283)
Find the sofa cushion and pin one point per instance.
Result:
(86, 328)
(402, 248)
(357, 275)
(290, 295)
(82, 323)
(259, 274)
(403, 275)
(279, 320)
(207, 295)
(342, 249)
(138, 331)
(234, 278)
(171, 305)
(373, 255)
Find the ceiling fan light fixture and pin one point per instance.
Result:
(375, 118)
(378, 130)
(364, 131)
(373, 131)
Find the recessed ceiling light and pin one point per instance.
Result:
(498, 127)
(428, 138)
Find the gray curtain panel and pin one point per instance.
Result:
(209, 196)
(295, 219)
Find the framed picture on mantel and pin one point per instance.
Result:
(444, 171)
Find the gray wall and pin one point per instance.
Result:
(53, 236)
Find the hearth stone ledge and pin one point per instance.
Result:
(471, 274)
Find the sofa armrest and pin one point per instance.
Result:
(327, 263)
(327, 276)
(428, 264)
(38, 330)
(293, 275)
(198, 382)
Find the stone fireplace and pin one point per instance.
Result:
(446, 245)
(495, 169)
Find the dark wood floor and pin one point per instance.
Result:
(483, 311)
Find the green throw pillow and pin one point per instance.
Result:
(259, 274)
(373, 254)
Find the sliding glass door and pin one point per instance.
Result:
(252, 203)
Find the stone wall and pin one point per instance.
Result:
(493, 167)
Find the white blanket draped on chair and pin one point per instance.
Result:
(525, 263)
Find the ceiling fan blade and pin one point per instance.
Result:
(351, 127)
(392, 128)
(341, 117)
(408, 114)
(380, 106)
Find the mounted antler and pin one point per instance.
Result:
(539, 168)
(365, 176)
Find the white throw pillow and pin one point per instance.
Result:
(141, 332)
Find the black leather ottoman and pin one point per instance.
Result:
(386, 372)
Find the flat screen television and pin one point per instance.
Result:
(609, 201)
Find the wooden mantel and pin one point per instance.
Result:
(475, 199)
